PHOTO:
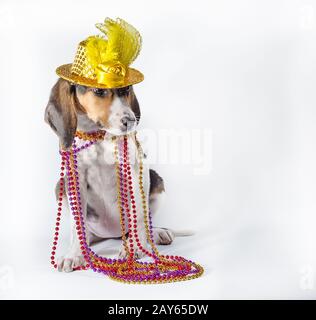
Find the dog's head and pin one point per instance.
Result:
(114, 110)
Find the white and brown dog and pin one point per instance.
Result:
(74, 107)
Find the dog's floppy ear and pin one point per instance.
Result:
(135, 106)
(61, 113)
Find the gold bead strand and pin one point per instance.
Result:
(119, 195)
(143, 196)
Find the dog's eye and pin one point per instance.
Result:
(100, 92)
(123, 91)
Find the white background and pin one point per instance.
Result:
(245, 70)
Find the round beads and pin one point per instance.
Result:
(128, 270)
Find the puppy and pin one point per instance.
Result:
(74, 107)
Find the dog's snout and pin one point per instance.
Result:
(127, 122)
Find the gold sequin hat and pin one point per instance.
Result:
(103, 61)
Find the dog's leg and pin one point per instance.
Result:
(73, 258)
(161, 236)
(157, 195)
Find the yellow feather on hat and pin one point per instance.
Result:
(122, 43)
(96, 50)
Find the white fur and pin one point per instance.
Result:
(118, 110)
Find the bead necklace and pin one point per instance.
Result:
(162, 268)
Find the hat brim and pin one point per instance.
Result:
(133, 76)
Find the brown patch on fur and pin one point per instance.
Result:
(156, 183)
(97, 108)
(133, 102)
(129, 98)
(61, 112)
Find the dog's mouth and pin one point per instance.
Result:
(120, 131)
(128, 126)
(127, 130)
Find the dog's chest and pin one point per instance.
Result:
(97, 165)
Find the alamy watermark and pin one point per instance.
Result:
(192, 147)
(307, 277)
(179, 147)
(307, 17)
(6, 279)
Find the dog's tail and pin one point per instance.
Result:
(182, 233)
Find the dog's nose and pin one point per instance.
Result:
(127, 122)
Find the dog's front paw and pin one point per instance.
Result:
(163, 236)
(69, 263)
